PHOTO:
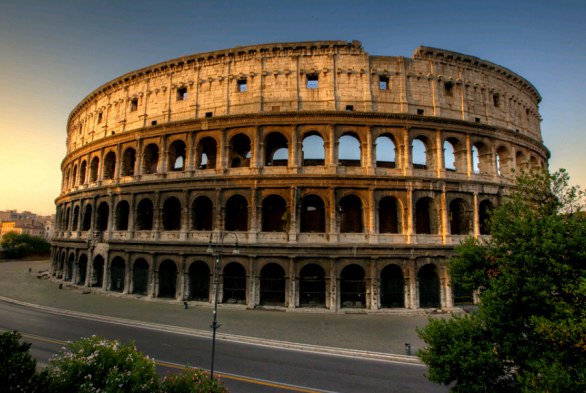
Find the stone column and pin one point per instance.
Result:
(293, 230)
(443, 210)
(475, 215)
(292, 299)
(410, 211)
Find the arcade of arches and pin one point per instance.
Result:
(284, 283)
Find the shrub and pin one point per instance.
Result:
(21, 245)
(192, 380)
(96, 364)
(17, 366)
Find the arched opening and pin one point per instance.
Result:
(140, 277)
(122, 213)
(74, 176)
(350, 212)
(313, 150)
(475, 160)
(117, 274)
(503, 161)
(109, 165)
(272, 285)
(87, 218)
(82, 172)
(82, 269)
(389, 215)
(67, 215)
(199, 281)
(313, 216)
(144, 215)
(240, 151)
(95, 164)
(202, 213)
(75, 223)
(236, 218)
(97, 278)
(459, 217)
(461, 296)
(150, 159)
(102, 218)
(386, 152)
(274, 214)
(484, 216)
(128, 162)
(449, 156)
(392, 287)
(234, 284)
(423, 216)
(429, 287)
(276, 149)
(168, 279)
(420, 158)
(520, 160)
(176, 156)
(312, 286)
(349, 153)
(171, 214)
(206, 153)
(69, 271)
(352, 287)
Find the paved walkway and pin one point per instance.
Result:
(385, 333)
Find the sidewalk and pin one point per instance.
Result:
(385, 333)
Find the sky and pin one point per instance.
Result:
(54, 53)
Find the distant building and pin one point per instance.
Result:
(26, 222)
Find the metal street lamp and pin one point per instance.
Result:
(217, 250)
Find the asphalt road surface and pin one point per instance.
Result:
(243, 367)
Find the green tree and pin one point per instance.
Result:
(529, 332)
(21, 245)
(17, 366)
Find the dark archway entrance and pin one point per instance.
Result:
(117, 274)
(140, 277)
(168, 279)
(82, 269)
(429, 287)
(234, 284)
(199, 281)
(312, 286)
(352, 287)
(98, 272)
(392, 287)
(272, 285)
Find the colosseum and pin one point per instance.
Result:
(295, 176)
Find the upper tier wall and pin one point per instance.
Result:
(310, 76)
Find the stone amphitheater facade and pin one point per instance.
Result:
(344, 180)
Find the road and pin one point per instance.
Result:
(244, 367)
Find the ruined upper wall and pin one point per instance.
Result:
(308, 76)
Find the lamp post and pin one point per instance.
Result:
(217, 250)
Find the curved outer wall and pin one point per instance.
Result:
(345, 179)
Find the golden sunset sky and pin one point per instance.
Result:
(54, 53)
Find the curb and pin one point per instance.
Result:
(226, 337)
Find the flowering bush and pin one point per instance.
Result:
(192, 380)
(96, 364)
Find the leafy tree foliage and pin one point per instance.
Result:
(21, 245)
(17, 366)
(529, 333)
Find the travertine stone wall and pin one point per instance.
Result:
(344, 179)
(276, 79)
